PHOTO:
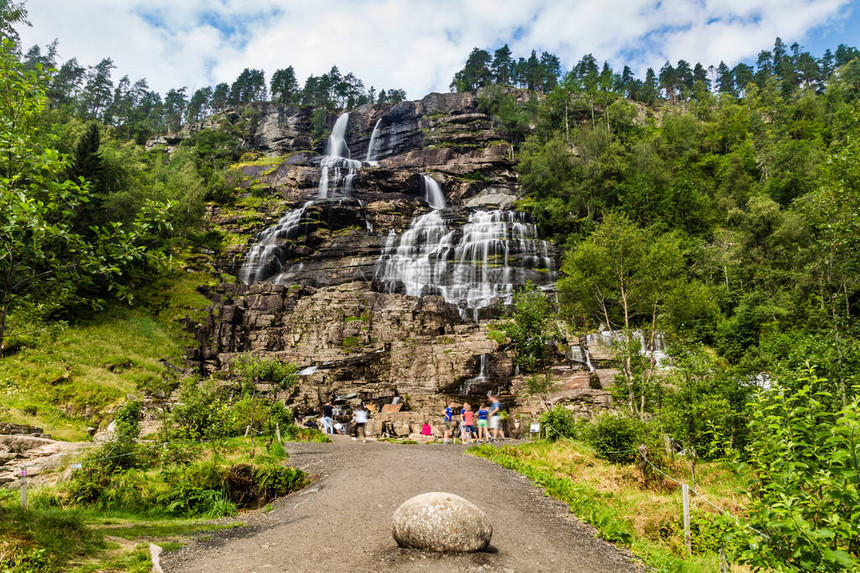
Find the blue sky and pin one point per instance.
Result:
(419, 44)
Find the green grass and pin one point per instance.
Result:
(616, 500)
(81, 541)
(67, 383)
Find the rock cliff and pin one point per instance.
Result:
(373, 258)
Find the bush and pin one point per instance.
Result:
(294, 433)
(254, 486)
(616, 437)
(803, 457)
(560, 422)
(200, 414)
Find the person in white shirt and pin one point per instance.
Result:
(359, 418)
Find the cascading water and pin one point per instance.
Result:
(582, 355)
(478, 381)
(470, 267)
(433, 193)
(657, 352)
(337, 172)
(337, 161)
(264, 261)
(374, 143)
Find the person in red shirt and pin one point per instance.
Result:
(468, 423)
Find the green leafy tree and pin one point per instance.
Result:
(693, 411)
(11, 13)
(254, 370)
(532, 330)
(284, 86)
(805, 462)
(41, 253)
(621, 278)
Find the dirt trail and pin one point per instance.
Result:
(342, 522)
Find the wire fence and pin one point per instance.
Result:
(694, 491)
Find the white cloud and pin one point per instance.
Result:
(411, 44)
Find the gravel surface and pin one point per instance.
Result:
(342, 522)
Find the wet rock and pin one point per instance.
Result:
(441, 522)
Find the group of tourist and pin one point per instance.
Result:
(359, 421)
(485, 428)
(468, 425)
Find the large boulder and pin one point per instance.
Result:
(441, 522)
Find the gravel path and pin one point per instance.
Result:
(342, 522)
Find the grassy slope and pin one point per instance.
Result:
(70, 382)
(614, 499)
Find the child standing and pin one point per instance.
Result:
(483, 423)
(468, 422)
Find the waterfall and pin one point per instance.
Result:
(337, 172)
(374, 140)
(263, 260)
(336, 161)
(467, 386)
(433, 193)
(582, 355)
(657, 352)
(472, 267)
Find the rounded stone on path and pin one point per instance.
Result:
(441, 522)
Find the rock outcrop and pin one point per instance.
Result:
(441, 522)
(340, 277)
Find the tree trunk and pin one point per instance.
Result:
(4, 310)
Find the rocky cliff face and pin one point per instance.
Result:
(353, 268)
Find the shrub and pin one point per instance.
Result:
(199, 414)
(127, 420)
(294, 433)
(560, 422)
(280, 414)
(804, 462)
(616, 437)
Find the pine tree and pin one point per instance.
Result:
(284, 86)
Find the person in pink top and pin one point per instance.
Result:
(468, 423)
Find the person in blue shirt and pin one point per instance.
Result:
(450, 424)
(495, 417)
(483, 422)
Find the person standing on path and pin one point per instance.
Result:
(328, 415)
(359, 418)
(449, 422)
(483, 423)
(468, 421)
(495, 416)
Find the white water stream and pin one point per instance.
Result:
(472, 267)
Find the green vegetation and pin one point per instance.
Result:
(721, 218)
(139, 492)
(624, 506)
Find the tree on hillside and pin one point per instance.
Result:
(503, 66)
(198, 105)
(249, 87)
(175, 103)
(98, 91)
(11, 13)
(475, 74)
(621, 278)
(44, 261)
(532, 330)
(284, 86)
(220, 96)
